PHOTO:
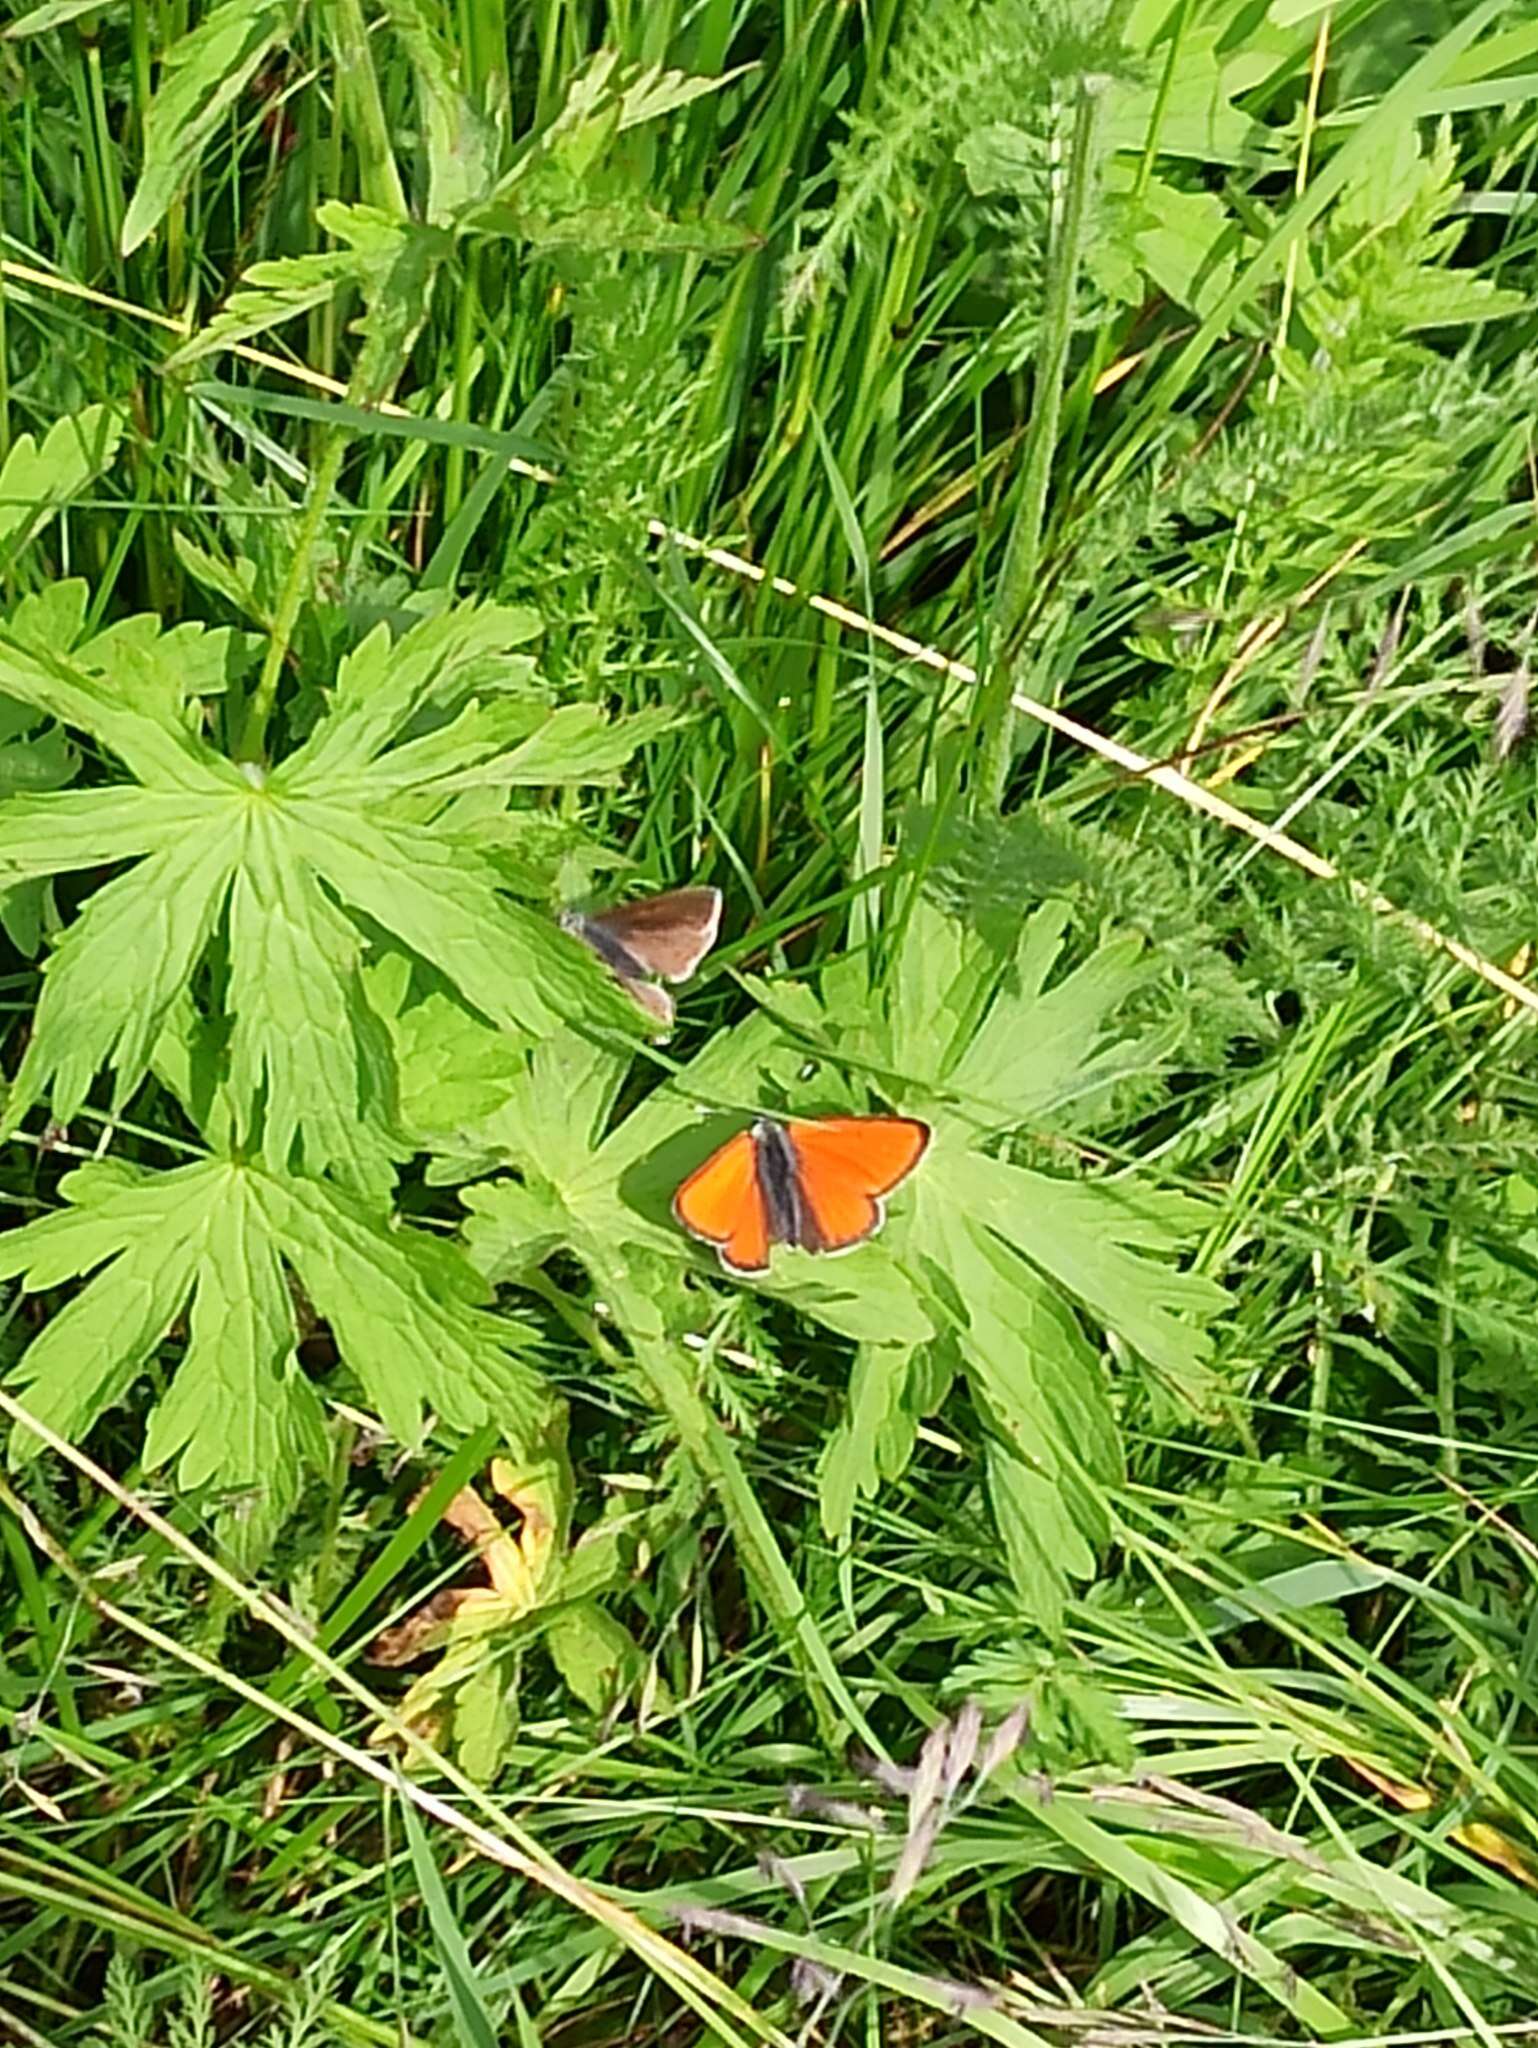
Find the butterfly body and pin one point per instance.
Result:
(818, 1183)
(656, 939)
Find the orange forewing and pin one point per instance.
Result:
(722, 1203)
(845, 1164)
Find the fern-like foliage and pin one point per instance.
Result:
(979, 82)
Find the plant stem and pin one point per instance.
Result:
(253, 738)
(700, 1432)
(764, 1562)
(1023, 554)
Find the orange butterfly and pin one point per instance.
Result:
(816, 1182)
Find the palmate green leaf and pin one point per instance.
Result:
(35, 482)
(608, 96)
(212, 1242)
(1053, 1451)
(573, 743)
(595, 1653)
(451, 1070)
(604, 1194)
(140, 661)
(202, 78)
(32, 760)
(1107, 1244)
(283, 863)
(998, 1042)
(891, 1389)
(33, 756)
(1008, 1261)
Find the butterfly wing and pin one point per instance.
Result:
(845, 1165)
(722, 1203)
(668, 935)
(655, 1001)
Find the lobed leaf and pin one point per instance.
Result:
(283, 866)
(303, 1040)
(891, 1389)
(118, 969)
(1095, 1239)
(239, 1412)
(35, 482)
(388, 260)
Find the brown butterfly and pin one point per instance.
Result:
(653, 940)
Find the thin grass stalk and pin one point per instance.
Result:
(498, 1836)
(253, 737)
(1161, 774)
(466, 317)
(1023, 554)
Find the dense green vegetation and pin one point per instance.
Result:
(1097, 1610)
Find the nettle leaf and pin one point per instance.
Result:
(289, 868)
(208, 1249)
(35, 482)
(1182, 243)
(1195, 110)
(202, 78)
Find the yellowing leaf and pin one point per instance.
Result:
(1413, 1798)
(1492, 1846)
